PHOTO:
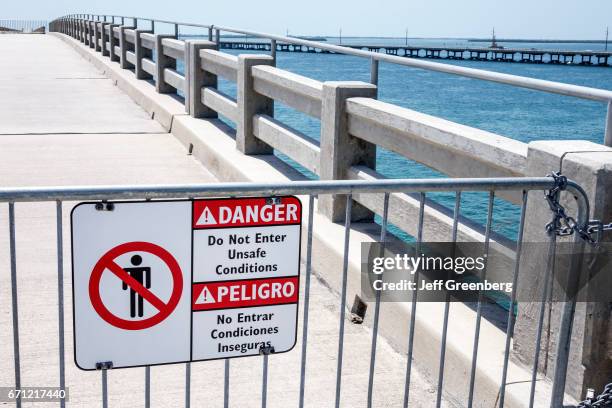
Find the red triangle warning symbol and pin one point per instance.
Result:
(205, 297)
(207, 218)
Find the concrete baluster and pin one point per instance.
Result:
(113, 42)
(196, 78)
(141, 52)
(87, 38)
(97, 36)
(163, 61)
(590, 165)
(81, 28)
(339, 150)
(249, 104)
(104, 38)
(125, 47)
(92, 34)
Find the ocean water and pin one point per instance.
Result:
(512, 112)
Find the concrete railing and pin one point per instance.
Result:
(353, 124)
(281, 42)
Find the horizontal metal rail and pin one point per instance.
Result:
(576, 91)
(169, 191)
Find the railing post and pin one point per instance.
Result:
(141, 52)
(590, 165)
(374, 71)
(251, 103)
(196, 78)
(162, 62)
(113, 42)
(81, 27)
(92, 34)
(339, 150)
(608, 132)
(104, 38)
(273, 49)
(97, 36)
(86, 29)
(124, 45)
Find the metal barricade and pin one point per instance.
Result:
(309, 191)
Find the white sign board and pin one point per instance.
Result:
(162, 282)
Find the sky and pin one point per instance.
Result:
(547, 19)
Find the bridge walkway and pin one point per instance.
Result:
(62, 122)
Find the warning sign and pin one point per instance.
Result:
(225, 272)
(252, 292)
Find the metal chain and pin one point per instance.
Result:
(603, 400)
(563, 224)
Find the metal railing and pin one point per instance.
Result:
(215, 32)
(312, 190)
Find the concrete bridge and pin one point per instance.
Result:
(101, 103)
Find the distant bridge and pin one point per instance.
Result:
(23, 26)
(533, 56)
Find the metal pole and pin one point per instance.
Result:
(511, 317)
(60, 299)
(608, 131)
(187, 385)
(226, 384)
(374, 71)
(16, 194)
(14, 300)
(264, 382)
(104, 388)
(273, 49)
(306, 298)
(176, 31)
(414, 304)
(347, 236)
(547, 276)
(483, 276)
(456, 214)
(383, 238)
(147, 387)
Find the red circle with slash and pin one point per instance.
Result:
(107, 261)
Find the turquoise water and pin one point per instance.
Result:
(508, 111)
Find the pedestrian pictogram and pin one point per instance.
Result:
(158, 282)
(142, 274)
(138, 279)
